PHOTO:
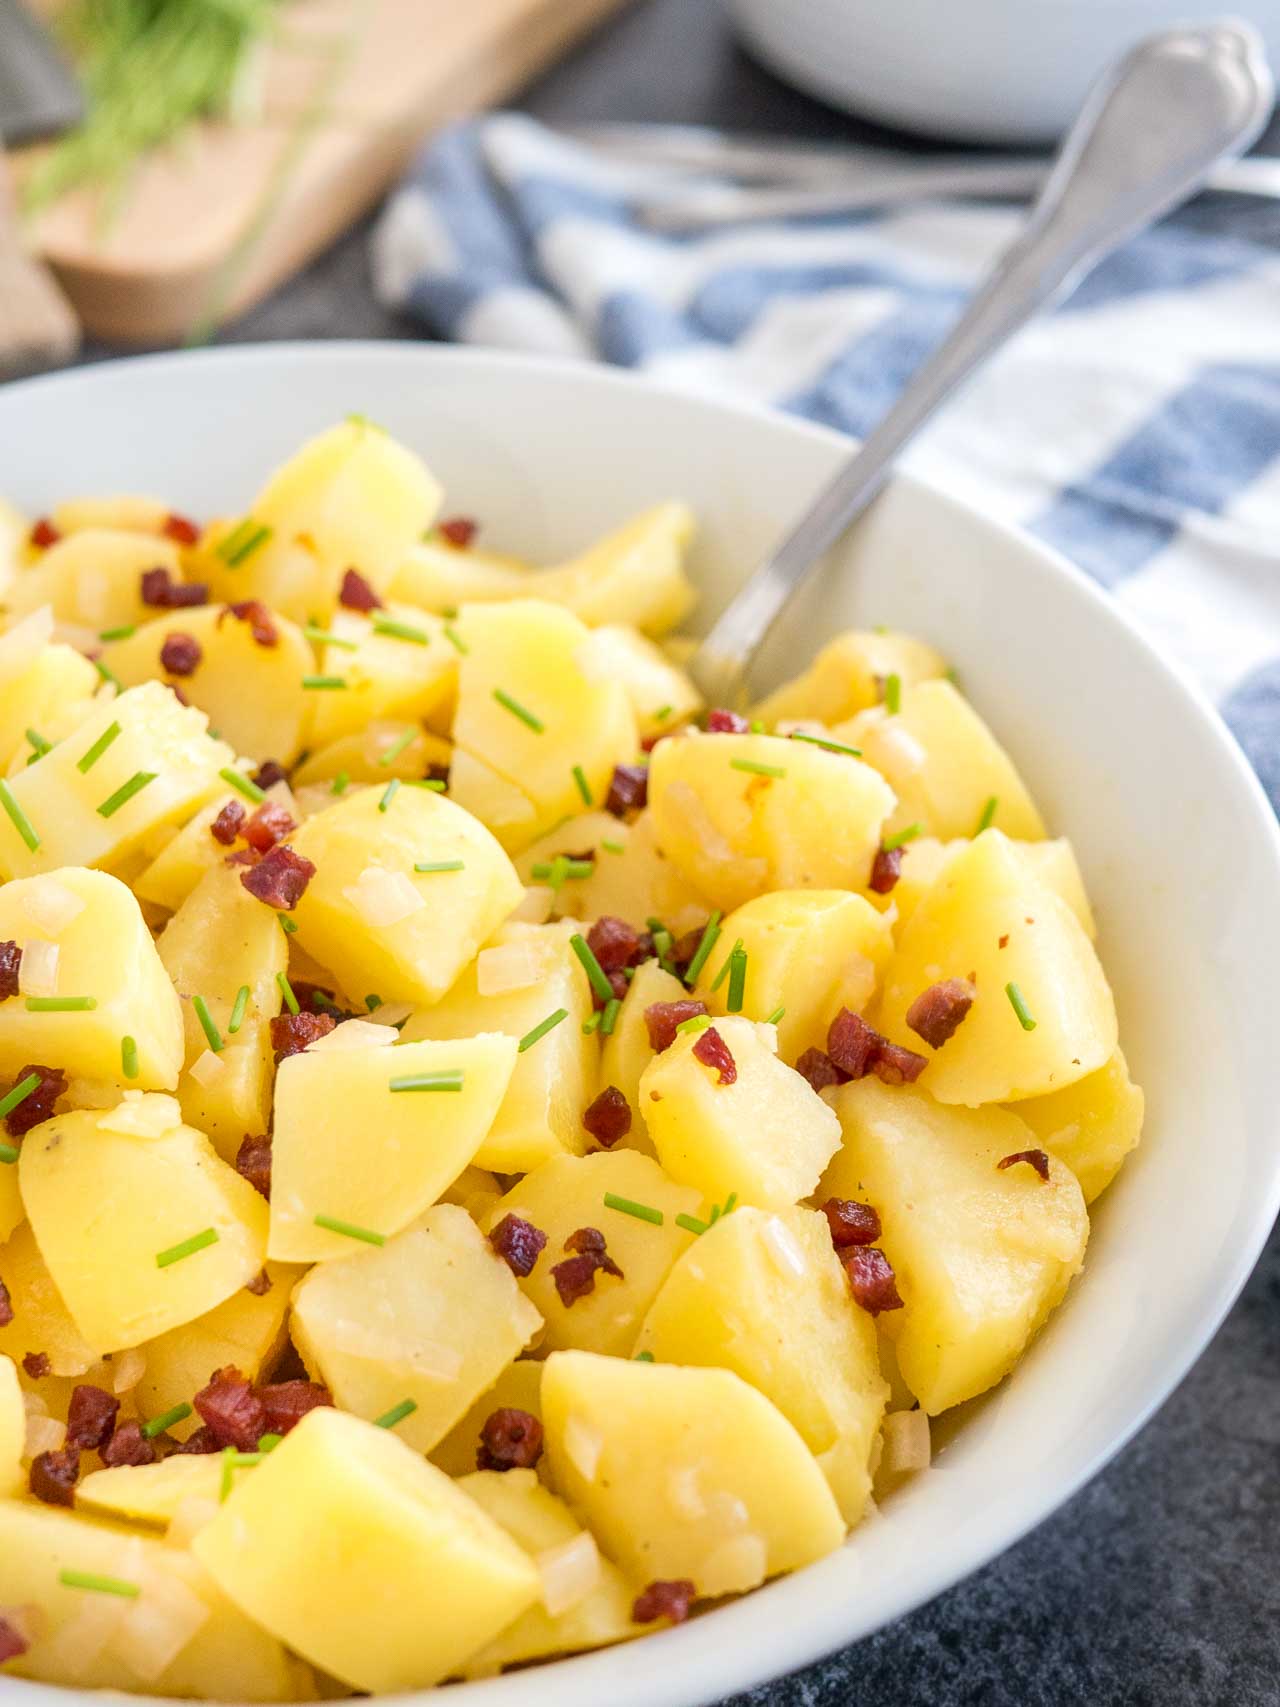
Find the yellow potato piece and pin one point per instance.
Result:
(13, 1429)
(981, 1254)
(1052, 862)
(376, 754)
(808, 820)
(397, 662)
(152, 1494)
(437, 576)
(517, 1388)
(380, 1171)
(109, 1191)
(106, 955)
(766, 1136)
(568, 1193)
(41, 1322)
(627, 1050)
(12, 1214)
(476, 1190)
(985, 896)
(662, 695)
(39, 682)
(433, 1317)
(421, 945)
(1091, 1125)
(763, 1293)
(187, 854)
(94, 577)
(131, 511)
(364, 1558)
(635, 575)
(847, 676)
(685, 1473)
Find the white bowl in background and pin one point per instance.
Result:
(1007, 71)
(1178, 844)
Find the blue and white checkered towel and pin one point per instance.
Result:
(1137, 430)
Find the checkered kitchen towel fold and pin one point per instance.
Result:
(1137, 430)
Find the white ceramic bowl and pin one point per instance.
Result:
(1012, 71)
(1177, 842)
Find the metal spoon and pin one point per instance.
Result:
(1147, 137)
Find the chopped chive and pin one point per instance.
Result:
(396, 1414)
(17, 817)
(269, 1442)
(706, 942)
(400, 631)
(432, 784)
(124, 632)
(662, 713)
(321, 683)
(1018, 1002)
(696, 1023)
(644, 1357)
(398, 746)
(691, 1224)
(902, 837)
(628, 1206)
(326, 637)
(108, 674)
(125, 793)
(228, 1456)
(8, 1153)
(340, 783)
(731, 1203)
(373, 1003)
(349, 1231)
(447, 1079)
(584, 787)
(38, 741)
(756, 768)
(613, 847)
(242, 542)
(20, 1092)
(592, 967)
(61, 1004)
(286, 990)
(541, 1030)
(441, 865)
(242, 784)
(99, 1585)
(662, 945)
(609, 1017)
(592, 1024)
(287, 925)
(210, 1030)
(775, 1016)
(237, 1011)
(129, 1057)
(987, 816)
(514, 706)
(455, 639)
(893, 694)
(755, 727)
(714, 1216)
(827, 746)
(188, 1248)
(723, 973)
(165, 1421)
(389, 793)
(737, 980)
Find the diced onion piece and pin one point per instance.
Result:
(38, 969)
(784, 1251)
(207, 1068)
(715, 847)
(25, 639)
(52, 906)
(143, 1114)
(92, 1093)
(738, 1563)
(355, 1034)
(906, 1443)
(384, 897)
(583, 1446)
(127, 1369)
(72, 1651)
(44, 1434)
(160, 1623)
(685, 1494)
(510, 966)
(189, 1518)
(902, 744)
(535, 907)
(569, 1572)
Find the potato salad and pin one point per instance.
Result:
(496, 1155)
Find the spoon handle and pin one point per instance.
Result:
(1148, 136)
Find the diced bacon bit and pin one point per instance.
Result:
(856, 1049)
(886, 869)
(628, 790)
(37, 1105)
(608, 1118)
(1036, 1159)
(519, 1243)
(269, 773)
(253, 1161)
(270, 824)
(10, 966)
(662, 1018)
(181, 529)
(712, 1050)
(458, 530)
(576, 1276)
(615, 943)
(1003, 942)
(260, 1285)
(356, 593)
(226, 826)
(291, 1033)
(232, 1410)
(285, 1403)
(177, 693)
(509, 1440)
(819, 1069)
(91, 1416)
(128, 1445)
(36, 1364)
(54, 1475)
(938, 1011)
(255, 613)
(13, 1644)
(280, 878)
(43, 534)
(180, 654)
(894, 1065)
(851, 1222)
(669, 1600)
(6, 1306)
(162, 592)
(722, 722)
(872, 1278)
(196, 1445)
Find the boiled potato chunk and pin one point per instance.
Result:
(40, 681)
(635, 575)
(598, 1609)
(1052, 862)
(433, 1317)
(376, 754)
(764, 1294)
(364, 1558)
(627, 1050)
(766, 1136)
(662, 695)
(685, 1473)
(1091, 1125)
(987, 918)
(132, 511)
(631, 877)
(554, 1079)
(110, 1191)
(63, 793)
(981, 1254)
(398, 662)
(12, 1214)
(439, 577)
(517, 1388)
(13, 1428)
(179, 1637)
(568, 1193)
(94, 577)
(349, 1145)
(253, 694)
(380, 925)
(41, 1321)
(476, 1190)
(810, 952)
(944, 765)
(105, 953)
(847, 676)
(151, 1494)
(808, 819)
(186, 856)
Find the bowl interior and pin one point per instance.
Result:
(1179, 849)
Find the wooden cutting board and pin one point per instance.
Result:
(350, 89)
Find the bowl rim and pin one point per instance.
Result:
(698, 1669)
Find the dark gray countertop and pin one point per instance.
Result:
(1159, 1585)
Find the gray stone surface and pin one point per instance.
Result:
(1158, 1585)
